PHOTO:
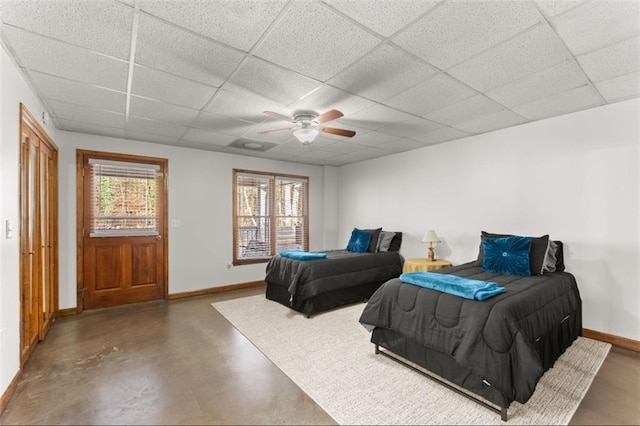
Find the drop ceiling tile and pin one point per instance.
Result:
(573, 100)
(531, 51)
(165, 87)
(146, 137)
(272, 82)
(443, 134)
(471, 108)
(314, 41)
(367, 154)
(202, 146)
(70, 62)
(434, 94)
(222, 124)
(383, 73)
(373, 139)
(597, 24)
(209, 137)
(153, 127)
(320, 149)
(336, 146)
(99, 25)
(495, 121)
(326, 98)
(91, 129)
(236, 23)
(401, 145)
(550, 8)
(161, 111)
(612, 61)
(60, 89)
(620, 88)
(84, 114)
(458, 30)
(277, 137)
(171, 49)
(378, 117)
(242, 104)
(547, 82)
(385, 18)
(409, 128)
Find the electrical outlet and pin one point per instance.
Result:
(175, 223)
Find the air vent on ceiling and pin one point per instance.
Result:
(251, 145)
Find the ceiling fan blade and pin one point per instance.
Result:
(329, 116)
(266, 132)
(339, 132)
(280, 116)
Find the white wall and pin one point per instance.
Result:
(200, 197)
(574, 177)
(13, 91)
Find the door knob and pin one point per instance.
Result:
(158, 237)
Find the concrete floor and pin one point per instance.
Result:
(181, 362)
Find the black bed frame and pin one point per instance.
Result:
(323, 301)
(402, 349)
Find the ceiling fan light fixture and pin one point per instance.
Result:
(306, 134)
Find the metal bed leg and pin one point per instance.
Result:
(503, 414)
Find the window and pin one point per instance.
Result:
(124, 198)
(269, 214)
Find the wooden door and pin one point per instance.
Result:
(122, 234)
(29, 244)
(48, 231)
(38, 233)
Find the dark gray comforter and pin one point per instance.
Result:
(496, 338)
(341, 269)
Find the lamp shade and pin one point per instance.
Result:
(306, 134)
(431, 237)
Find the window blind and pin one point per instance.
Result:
(124, 198)
(270, 214)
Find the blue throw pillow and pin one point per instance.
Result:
(509, 256)
(359, 241)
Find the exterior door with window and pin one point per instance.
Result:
(122, 229)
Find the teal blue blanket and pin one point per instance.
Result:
(302, 255)
(453, 284)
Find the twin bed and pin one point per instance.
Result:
(497, 348)
(343, 277)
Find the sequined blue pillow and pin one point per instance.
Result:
(508, 256)
(359, 241)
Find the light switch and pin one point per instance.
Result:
(8, 229)
(175, 223)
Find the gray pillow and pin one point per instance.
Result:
(550, 258)
(384, 241)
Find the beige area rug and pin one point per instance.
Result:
(331, 358)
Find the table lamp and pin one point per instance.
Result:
(431, 237)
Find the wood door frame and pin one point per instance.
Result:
(81, 154)
(29, 121)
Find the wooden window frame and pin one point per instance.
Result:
(237, 259)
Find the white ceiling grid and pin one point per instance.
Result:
(406, 73)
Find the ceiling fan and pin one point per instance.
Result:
(308, 124)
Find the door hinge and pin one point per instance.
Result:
(82, 291)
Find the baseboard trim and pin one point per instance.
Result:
(8, 393)
(67, 311)
(212, 290)
(622, 342)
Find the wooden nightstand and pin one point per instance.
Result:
(421, 264)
